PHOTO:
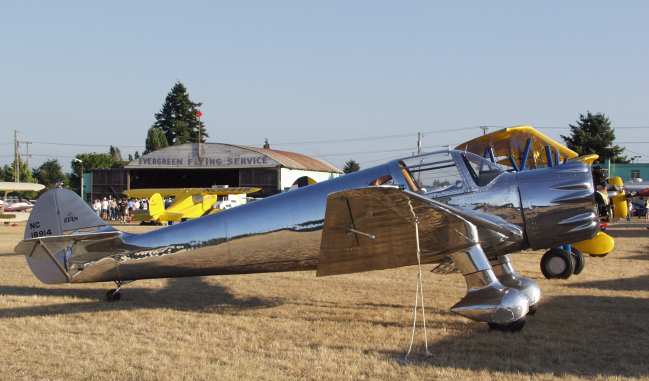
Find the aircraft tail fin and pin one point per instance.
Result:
(156, 205)
(59, 221)
(61, 211)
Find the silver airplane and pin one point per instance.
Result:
(469, 213)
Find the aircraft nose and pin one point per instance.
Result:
(558, 204)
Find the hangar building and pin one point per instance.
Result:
(213, 164)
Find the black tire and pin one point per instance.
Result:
(511, 327)
(557, 264)
(580, 261)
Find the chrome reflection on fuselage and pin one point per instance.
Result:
(283, 232)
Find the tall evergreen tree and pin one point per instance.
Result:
(155, 139)
(351, 166)
(179, 118)
(49, 173)
(593, 134)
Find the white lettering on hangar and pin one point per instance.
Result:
(231, 161)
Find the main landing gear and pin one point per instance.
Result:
(559, 263)
(114, 294)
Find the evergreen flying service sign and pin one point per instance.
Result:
(211, 156)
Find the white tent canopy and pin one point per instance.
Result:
(20, 187)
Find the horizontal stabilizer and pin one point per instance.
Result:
(60, 223)
(48, 257)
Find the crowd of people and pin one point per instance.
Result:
(112, 209)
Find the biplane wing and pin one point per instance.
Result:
(184, 192)
(520, 147)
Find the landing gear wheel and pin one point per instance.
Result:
(580, 261)
(113, 295)
(557, 263)
(511, 327)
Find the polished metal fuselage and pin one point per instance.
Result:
(283, 232)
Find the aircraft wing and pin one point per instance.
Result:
(183, 192)
(512, 141)
(373, 228)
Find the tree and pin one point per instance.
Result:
(26, 175)
(593, 134)
(351, 166)
(155, 139)
(115, 153)
(90, 161)
(49, 173)
(137, 155)
(179, 118)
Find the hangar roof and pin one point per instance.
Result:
(223, 156)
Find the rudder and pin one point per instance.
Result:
(59, 212)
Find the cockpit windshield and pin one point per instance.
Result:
(482, 170)
(447, 172)
(436, 173)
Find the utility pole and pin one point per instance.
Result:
(16, 158)
(419, 136)
(27, 155)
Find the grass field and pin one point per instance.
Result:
(297, 326)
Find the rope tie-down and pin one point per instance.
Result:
(419, 294)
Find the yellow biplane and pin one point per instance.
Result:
(523, 148)
(187, 203)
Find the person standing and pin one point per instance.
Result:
(96, 206)
(104, 208)
(629, 206)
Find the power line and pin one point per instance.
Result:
(85, 145)
(614, 127)
(374, 137)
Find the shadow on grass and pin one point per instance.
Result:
(183, 294)
(639, 283)
(589, 336)
(631, 232)
(641, 257)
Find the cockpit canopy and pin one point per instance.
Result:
(449, 172)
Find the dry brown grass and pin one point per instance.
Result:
(296, 326)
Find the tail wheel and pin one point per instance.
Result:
(557, 263)
(580, 261)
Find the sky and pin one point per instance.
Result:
(337, 80)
